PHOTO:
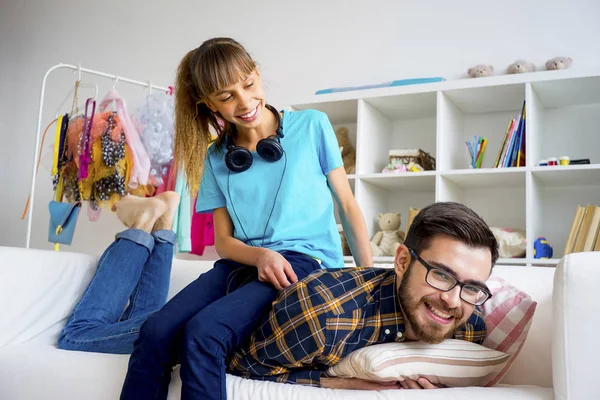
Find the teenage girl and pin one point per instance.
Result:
(270, 179)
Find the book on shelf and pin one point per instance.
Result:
(512, 149)
(584, 234)
(412, 213)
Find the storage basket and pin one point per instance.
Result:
(417, 156)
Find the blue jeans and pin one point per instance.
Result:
(200, 327)
(133, 272)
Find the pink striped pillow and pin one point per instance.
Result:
(508, 316)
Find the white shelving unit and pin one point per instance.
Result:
(563, 118)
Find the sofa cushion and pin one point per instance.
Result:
(69, 375)
(451, 363)
(508, 316)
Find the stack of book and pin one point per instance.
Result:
(512, 151)
(585, 230)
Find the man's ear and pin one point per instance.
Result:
(402, 260)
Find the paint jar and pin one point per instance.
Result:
(553, 161)
(543, 163)
(564, 160)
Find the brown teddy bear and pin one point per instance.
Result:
(480, 71)
(559, 63)
(520, 66)
(386, 241)
(347, 149)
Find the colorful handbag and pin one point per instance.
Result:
(63, 219)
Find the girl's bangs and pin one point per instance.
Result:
(222, 69)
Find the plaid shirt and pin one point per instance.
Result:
(324, 317)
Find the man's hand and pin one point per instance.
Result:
(420, 383)
(358, 384)
(274, 268)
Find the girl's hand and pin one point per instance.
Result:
(274, 268)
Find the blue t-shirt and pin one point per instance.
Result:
(303, 215)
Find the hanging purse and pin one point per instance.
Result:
(63, 220)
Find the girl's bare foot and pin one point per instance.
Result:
(138, 212)
(171, 202)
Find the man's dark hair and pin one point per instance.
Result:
(453, 220)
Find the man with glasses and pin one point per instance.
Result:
(433, 293)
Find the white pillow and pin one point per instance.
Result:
(452, 363)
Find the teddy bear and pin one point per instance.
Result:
(559, 63)
(347, 149)
(386, 241)
(480, 70)
(520, 66)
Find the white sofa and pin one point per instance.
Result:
(39, 288)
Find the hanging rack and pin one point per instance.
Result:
(79, 70)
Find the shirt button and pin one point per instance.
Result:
(387, 331)
(399, 334)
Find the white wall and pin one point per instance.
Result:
(302, 46)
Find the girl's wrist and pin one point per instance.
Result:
(260, 252)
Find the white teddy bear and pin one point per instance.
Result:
(386, 241)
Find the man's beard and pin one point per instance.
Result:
(430, 331)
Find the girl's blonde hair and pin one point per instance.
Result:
(217, 63)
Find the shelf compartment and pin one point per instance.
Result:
(393, 123)
(393, 195)
(339, 112)
(465, 113)
(568, 175)
(407, 106)
(489, 99)
(414, 181)
(568, 92)
(555, 196)
(565, 115)
(488, 178)
(499, 206)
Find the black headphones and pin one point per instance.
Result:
(239, 159)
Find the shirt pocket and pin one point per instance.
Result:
(342, 335)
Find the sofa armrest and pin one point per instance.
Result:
(575, 351)
(38, 290)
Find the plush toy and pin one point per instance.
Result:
(386, 241)
(559, 63)
(394, 168)
(541, 248)
(520, 66)
(347, 149)
(480, 70)
(512, 243)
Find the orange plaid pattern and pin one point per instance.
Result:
(324, 317)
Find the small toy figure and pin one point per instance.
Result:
(394, 167)
(541, 248)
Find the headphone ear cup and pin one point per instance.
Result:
(269, 149)
(238, 159)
